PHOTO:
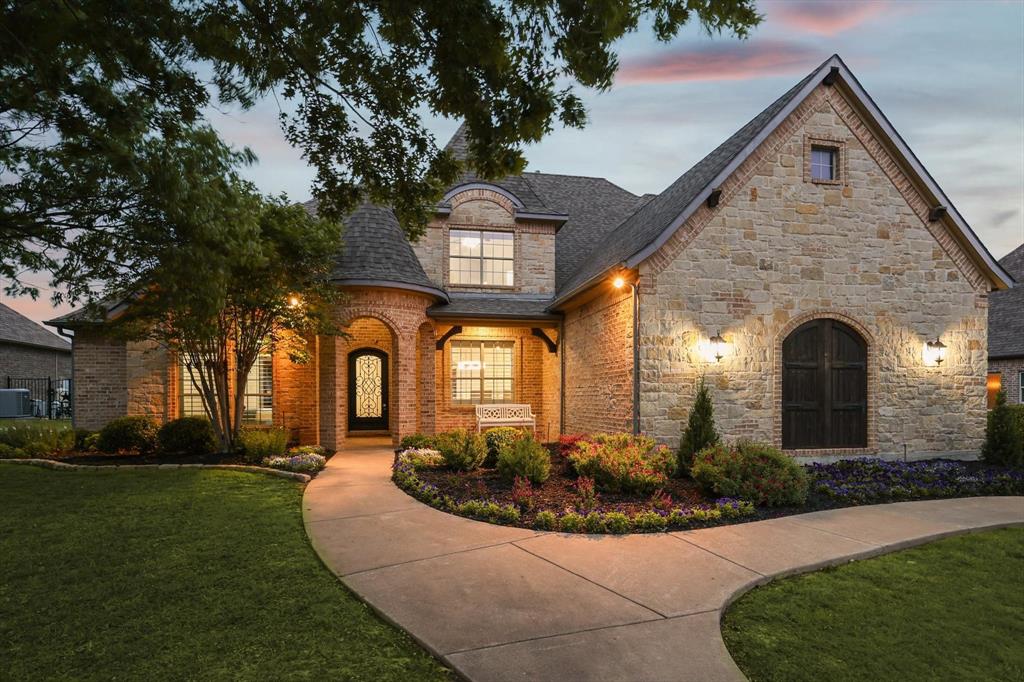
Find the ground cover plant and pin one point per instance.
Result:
(948, 610)
(34, 437)
(189, 573)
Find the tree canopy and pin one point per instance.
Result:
(105, 158)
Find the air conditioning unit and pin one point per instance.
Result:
(15, 402)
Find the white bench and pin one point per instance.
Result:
(504, 415)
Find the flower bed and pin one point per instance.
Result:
(606, 485)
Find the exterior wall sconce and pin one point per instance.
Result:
(293, 301)
(934, 353)
(718, 346)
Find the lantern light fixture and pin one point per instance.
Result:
(618, 282)
(935, 352)
(293, 301)
(718, 345)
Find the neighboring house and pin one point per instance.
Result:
(811, 252)
(29, 350)
(1006, 334)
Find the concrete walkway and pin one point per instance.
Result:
(499, 603)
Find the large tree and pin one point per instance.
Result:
(98, 97)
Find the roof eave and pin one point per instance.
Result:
(391, 284)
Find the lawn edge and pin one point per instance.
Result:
(54, 464)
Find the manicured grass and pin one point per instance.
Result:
(183, 574)
(949, 610)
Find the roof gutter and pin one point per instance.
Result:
(390, 284)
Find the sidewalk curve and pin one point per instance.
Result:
(499, 603)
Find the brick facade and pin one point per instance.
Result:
(32, 362)
(779, 250)
(1009, 370)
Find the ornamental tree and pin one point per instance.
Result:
(700, 430)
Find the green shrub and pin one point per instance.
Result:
(527, 458)
(83, 437)
(418, 441)
(700, 430)
(570, 522)
(624, 462)
(499, 438)
(1004, 434)
(41, 437)
(617, 522)
(258, 444)
(188, 435)
(649, 521)
(11, 452)
(545, 520)
(750, 471)
(128, 434)
(594, 522)
(462, 450)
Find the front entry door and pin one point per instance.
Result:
(367, 390)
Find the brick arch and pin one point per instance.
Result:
(350, 315)
(872, 372)
(496, 195)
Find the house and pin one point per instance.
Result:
(809, 267)
(1006, 335)
(34, 358)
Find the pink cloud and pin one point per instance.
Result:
(824, 17)
(721, 61)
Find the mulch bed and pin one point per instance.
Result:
(557, 494)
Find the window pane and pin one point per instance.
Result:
(191, 398)
(481, 371)
(479, 258)
(259, 392)
(464, 270)
(464, 243)
(823, 163)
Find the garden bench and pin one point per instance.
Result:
(504, 415)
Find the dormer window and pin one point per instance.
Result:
(824, 163)
(480, 258)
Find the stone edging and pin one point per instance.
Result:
(53, 464)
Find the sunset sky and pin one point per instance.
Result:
(949, 76)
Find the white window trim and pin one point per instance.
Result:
(481, 343)
(482, 233)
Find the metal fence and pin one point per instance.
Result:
(51, 398)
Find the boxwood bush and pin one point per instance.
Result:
(187, 435)
(527, 458)
(499, 438)
(258, 444)
(128, 434)
(462, 450)
(751, 471)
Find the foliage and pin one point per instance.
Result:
(527, 458)
(700, 430)
(586, 494)
(308, 450)
(545, 520)
(35, 437)
(423, 458)
(462, 450)
(570, 522)
(499, 438)
(181, 553)
(617, 523)
(83, 437)
(926, 613)
(101, 129)
(568, 442)
(259, 443)
(1004, 434)
(299, 462)
(868, 481)
(190, 435)
(417, 441)
(129, 434)
(650, 521)
(522, 493)
(752, 471)
(623, 462)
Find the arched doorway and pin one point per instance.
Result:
(367, 390)
(824, 387)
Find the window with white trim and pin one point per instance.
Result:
(191, 398)
(481, 372)
(258, 405)
(480, 258)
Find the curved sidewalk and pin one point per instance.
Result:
(500, 603)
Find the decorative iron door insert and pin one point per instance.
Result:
(367, 390)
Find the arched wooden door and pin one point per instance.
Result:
(824, 387)
(367, 390)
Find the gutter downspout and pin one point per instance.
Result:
(561, 378)
(636, 357)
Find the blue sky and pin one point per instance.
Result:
(948, 75)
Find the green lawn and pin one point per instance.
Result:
(180, 574)
(950, 610)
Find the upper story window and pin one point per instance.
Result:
(258, 397)
(482, 371)
(824, 163)
(480, 258)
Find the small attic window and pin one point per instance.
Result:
(824, 164)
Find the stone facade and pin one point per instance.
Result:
(1009, 370)
(33, 362)
(780, 249)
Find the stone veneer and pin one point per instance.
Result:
(779, 250)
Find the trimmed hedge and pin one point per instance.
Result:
(187, 435)
(751, 471)
(129, 434)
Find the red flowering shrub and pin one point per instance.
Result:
(586, 493)
(622, 462)
(567, 442)
(750, 471)
(522, 493)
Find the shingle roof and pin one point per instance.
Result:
(490, 307)
(656, 214)
(16, 328)
(1006, 311)
(375, 250)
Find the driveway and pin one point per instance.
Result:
(500, 603)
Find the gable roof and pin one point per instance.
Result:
(1006, 311)
(644, 232)
(16, 328)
